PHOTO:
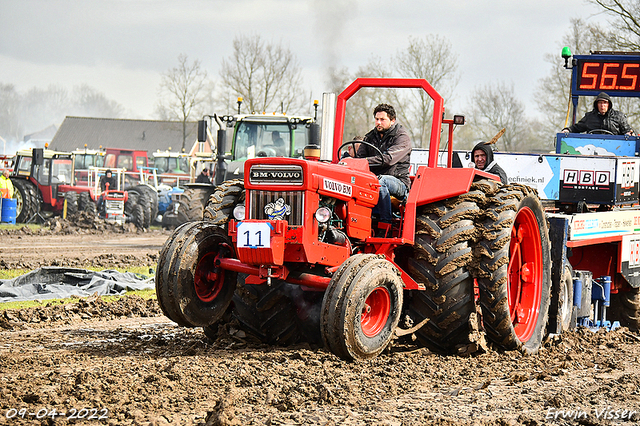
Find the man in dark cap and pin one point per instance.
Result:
(482, 156)
(602, 117)
(203, 177)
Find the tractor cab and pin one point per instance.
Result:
(37, 176)
(83, 159)
(262, 136)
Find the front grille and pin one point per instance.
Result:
(294, 199)
(114, 204)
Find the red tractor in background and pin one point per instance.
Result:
(291, 251)
(44, 183)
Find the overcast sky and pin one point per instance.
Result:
(121, 47)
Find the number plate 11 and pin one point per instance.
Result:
(254, 235)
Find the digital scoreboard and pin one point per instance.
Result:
(617, 76)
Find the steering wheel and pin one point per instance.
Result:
(599, 132)
(355, 151)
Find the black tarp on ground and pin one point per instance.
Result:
(59, 282)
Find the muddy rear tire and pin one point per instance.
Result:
(145, 203)
(86, 204)
(515, 270)
(152, 196)
(361, 308)
(566, 308)
(268, 311)
(137, 216)
(443, 251)
(191, 290)
(27, 199)
(626, 308)
(71, 198)
(192, 203)
(224, 199)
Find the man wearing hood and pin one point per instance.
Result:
(393, 167)
(482, 156)
(602, 117)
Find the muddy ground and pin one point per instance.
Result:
(128, 364)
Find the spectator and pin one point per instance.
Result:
(203, 177)
(482, 156)
(6, 187)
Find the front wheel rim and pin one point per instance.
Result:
(208, 279)
(525, 273)
(375, 312)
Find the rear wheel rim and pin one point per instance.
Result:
(525, 274)
(375, 312)
(19, 202)
(208, 279)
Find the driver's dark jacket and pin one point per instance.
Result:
(103, 183)
(613, 121)
(395, 145)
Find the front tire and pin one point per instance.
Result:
(515, 270)
(191, 290)
(361, 308)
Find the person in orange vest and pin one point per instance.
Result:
(6, 187)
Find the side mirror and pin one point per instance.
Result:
(38, 156)
(202, 131)
(314, 134)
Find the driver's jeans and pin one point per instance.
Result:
(389, 186)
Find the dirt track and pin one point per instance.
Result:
(129, 360)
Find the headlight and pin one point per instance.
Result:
(238, 212)
(323, 214)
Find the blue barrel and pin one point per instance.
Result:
(9, 208)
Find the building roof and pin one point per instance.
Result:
(146, 135)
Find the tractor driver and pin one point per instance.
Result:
(393, 167)
(107, 179)
(602, 117)
(278, 142)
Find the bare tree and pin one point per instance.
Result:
(10, 128)
(90, 102)
(493, 107)
(553, 91)
(625, 21)
(267, 76)
(40, 108)
(182, 93)
(430, 57)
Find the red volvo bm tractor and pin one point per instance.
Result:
(306, 227)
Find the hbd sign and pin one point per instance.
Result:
(587, 177)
